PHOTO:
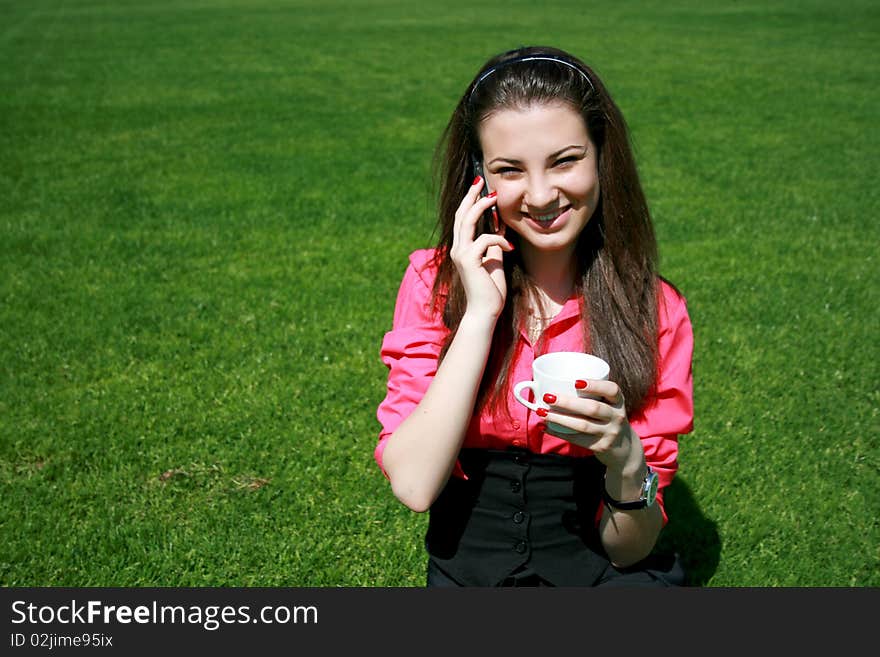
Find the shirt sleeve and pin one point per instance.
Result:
(411, 349)
(670, 412)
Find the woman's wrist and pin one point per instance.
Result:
(475, 322)
(624, 481)
(625, 488)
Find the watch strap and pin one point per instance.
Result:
(624, 506)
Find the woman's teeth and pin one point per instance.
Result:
(546, 218)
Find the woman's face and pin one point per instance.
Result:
(543, 165)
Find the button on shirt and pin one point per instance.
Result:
(412, 348)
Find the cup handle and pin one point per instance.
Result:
(521, 386)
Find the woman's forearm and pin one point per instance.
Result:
(628, 535)
(421, 453)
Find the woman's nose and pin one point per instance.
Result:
(541, 192)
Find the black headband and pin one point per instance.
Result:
(529, 58)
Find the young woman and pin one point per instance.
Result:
(570, 264)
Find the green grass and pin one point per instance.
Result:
(206, 209)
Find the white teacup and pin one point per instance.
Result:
(556, 373)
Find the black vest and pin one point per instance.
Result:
(518, 508)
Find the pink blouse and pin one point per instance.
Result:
(412, 347)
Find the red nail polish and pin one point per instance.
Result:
(580, 384)
(476, 180)
(542, 412)
(492, 194)
(549, 398)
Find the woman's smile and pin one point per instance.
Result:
(549, 220)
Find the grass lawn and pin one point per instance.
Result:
(206, 208)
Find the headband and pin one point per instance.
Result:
(529, 58)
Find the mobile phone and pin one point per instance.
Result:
(488, 223)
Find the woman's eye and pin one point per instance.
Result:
(566, 160)
(506, 171)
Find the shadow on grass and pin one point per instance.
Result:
(690, 534)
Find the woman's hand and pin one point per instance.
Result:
(479, 261)
(601, 424)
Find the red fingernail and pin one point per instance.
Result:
(549, 398)
(492, 194)
(476, 180)
(542, 412)
(580, 384)
(510, 245)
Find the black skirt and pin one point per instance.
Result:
(525, 519)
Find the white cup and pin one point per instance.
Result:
(556, 373)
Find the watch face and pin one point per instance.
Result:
(653, 482)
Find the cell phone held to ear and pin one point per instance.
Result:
(488, 223)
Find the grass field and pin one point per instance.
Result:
(206, 208)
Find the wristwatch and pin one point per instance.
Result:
(646, 496)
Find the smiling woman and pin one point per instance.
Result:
(568, 490)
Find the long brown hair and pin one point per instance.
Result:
(616, 253)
